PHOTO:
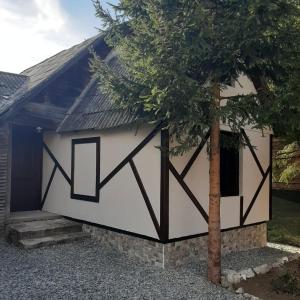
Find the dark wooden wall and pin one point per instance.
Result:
(4, 169)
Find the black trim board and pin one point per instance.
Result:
(81, 141)
(206, 233)
(121, 231)
(270, 179)
(164, 186)
(141, 236)
(241, 210)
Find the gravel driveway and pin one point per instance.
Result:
(85, 270)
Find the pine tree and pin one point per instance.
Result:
(178, 56)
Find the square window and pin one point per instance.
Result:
(229, 164)
(85, 169)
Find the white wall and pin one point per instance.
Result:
(121, 203)
(185, 219)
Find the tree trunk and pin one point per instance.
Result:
(214, 230)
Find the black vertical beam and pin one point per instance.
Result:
(270, 179)
(241, 210)
(164, 186)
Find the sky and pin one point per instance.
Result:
(33, 30)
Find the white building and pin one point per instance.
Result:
(89, 161)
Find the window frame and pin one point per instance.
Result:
(80, 141)
(237, 171)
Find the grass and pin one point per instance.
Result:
(285, 225)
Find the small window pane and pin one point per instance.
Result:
(229, 172)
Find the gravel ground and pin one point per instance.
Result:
(240, 261)
(84, 270)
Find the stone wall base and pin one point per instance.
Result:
(177, 253)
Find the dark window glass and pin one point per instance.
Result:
(229, 164)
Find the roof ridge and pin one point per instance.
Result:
(91, 40)
(15, 74)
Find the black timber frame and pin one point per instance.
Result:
(57, 164)
(82, 141)
(270, 179)
(162, 227)
(127, 160)
(164, 186)
(264, 176)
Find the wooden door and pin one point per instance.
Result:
(26, 169)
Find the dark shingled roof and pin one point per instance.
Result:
(41, 74)
(42, 71)
(9, 84)
(94, 110)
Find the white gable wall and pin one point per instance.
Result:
(121, 204)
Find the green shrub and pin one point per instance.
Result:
(286, 283)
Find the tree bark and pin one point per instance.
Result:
(214, 230)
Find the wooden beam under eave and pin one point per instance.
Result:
(25, 118)
(45, 111)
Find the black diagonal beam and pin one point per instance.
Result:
(60, 168)
(48, 185)
(195, 155)
(130, 156)
(256, 194)
(248, 143)
(145, 196)
(188, 192)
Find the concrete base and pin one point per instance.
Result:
(177, 253)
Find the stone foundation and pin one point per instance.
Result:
(177, 253)
(245, 238)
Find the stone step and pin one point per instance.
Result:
(52, 240)
(29, 216)
(37, 229)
